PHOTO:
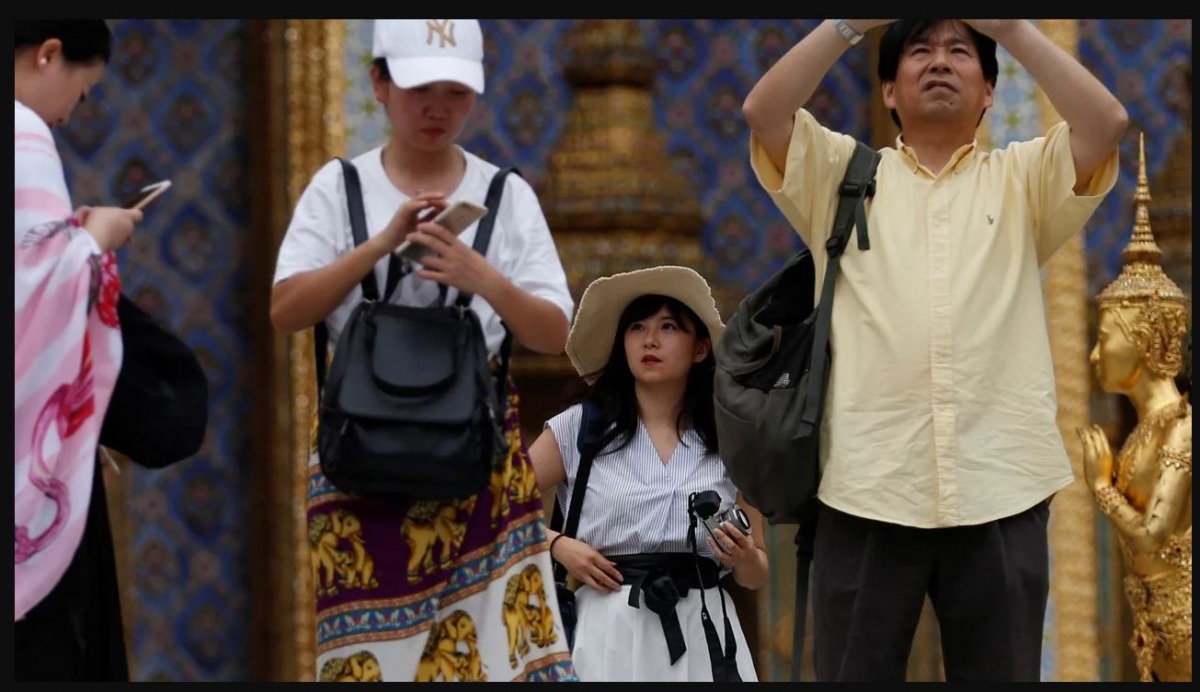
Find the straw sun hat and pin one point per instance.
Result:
(591, 340)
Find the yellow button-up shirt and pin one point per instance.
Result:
(941, 404)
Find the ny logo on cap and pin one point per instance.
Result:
(444, 28)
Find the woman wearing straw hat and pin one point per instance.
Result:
(649, 606)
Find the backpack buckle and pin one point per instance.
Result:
(835, 245)
(855, 189)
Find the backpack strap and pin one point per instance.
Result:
(370, 289)
(483, 238)
(483, 233)
(805, 538)
(590, 440)
(857, 185)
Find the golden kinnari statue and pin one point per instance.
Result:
(1146, 492)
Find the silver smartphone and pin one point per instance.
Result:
(455, 218)
(147, 194)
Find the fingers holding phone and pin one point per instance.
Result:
(446, 258)
(453, 219)
(406, 218)
(110, 226)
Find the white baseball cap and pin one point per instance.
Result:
(420, 51)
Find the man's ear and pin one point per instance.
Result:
(888, 91)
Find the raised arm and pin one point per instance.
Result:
(790, 83)
(1096, 118)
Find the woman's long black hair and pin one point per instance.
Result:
(613, 392)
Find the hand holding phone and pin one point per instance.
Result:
(147, 194)
(455, 218)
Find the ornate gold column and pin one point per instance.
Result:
(298, 97)
(1073, 521)
(610, 194)
(316, 132)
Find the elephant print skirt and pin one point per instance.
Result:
(437, 590)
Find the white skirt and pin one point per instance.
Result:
(616, 642)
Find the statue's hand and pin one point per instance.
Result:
(1097, 457)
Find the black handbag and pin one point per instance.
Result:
(590, 440)
(158, 413)
(409, 409)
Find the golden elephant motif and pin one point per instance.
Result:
(527, 613)
(511, 481)
(339, 550)
(433, 526)
(444, 660)
(359, 667)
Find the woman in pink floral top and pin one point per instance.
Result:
(67, 336)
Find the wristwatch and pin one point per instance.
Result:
(847, 31)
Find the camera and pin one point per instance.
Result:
(734, 515)
(706, 506)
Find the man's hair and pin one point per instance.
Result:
(903, 32)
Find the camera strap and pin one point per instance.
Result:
(724, 664)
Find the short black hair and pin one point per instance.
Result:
(381, 65)
(901, 33)
(84, 41)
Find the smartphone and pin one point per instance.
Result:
(147, 194)
(455, 218)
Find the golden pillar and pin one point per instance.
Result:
(1073, 578)
(610, 194)
(298, 99)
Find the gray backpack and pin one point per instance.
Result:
(772, 371)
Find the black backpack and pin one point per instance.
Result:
(771, 375)
(410, 408)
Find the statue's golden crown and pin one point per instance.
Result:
(1142, 279)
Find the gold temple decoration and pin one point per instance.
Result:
(610, 170)
(316, 132)
(1073, 577)
(1146, 493)
(1173, 196)
(1142, 278)
(610, 193)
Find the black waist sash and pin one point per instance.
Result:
(661, 580)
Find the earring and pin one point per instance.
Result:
(45, 60)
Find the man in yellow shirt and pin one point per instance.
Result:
(940, 449)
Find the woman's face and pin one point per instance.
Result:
(56, 85)
(428, 117)
(661, 349)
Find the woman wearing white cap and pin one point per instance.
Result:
(649, 607)
(389, 616)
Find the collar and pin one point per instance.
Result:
(961, 156)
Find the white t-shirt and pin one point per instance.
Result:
(521, 246)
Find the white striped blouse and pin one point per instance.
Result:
(634, 502)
